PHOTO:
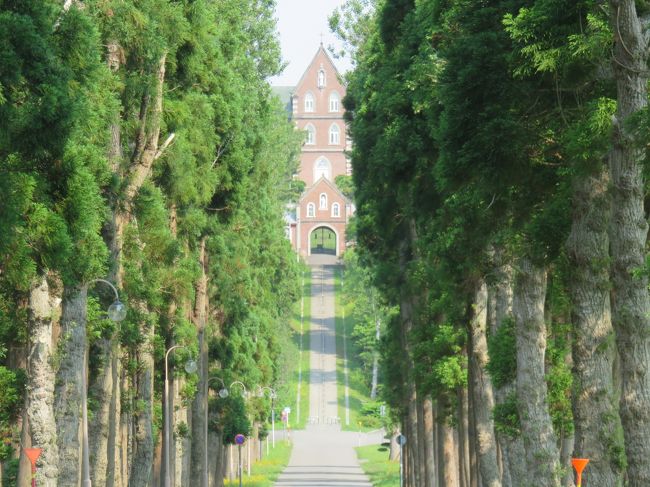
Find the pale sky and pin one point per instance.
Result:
(300, 25)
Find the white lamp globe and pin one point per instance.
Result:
(190, 366)
(117, 311)
(223, 393)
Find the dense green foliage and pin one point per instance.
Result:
(89, 96)
(475, 125)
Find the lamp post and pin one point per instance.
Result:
(190, 367)
(116, 312)
(223, 393)
(272, 395)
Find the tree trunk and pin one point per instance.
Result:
(429, 447)
(67, 405)
(481, 387)
(628, 235)
(41, 376)
(200, 403)
(474, 480)
(142, 465)
(463, 437)
(512, 448)
(104, 437)
(595, 409)
(393, 453)
(540, 442)
(448, 462)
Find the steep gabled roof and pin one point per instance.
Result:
(313, 60)
(313, 188)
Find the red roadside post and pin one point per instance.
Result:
(579, 464)
(33, 454)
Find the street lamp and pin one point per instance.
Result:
(272, 395)
(190, 368)
(116, 312)
(244, 392)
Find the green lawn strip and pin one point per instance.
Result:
(358, 391)
(265, 472)
(379, 469)
(304, 388)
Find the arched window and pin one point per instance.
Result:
(311, 210)
(322, 202)
(335, 134)
(311, 134)
(334, 102)
(309, 102)
(321, 78)
(336, 210)
(322, 169)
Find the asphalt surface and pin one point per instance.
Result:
(323, 455)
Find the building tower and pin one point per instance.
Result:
(323, 212)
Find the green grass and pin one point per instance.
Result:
(374, 462)
(266, 472)
(304, 389)
(358, 391)
(328, 242)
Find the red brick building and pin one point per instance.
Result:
(316, 107)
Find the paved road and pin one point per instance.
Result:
(323, 455)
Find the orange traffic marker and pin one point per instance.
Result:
(579, 464)
(33, 454)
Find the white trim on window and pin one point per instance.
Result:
(311, 134)
(336, 210)
(322, 168)
(309, 102)
(311, 210)
(335, 134)
(334, 102)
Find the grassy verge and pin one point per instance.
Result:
(358, 391)
(265, 472)
(299, 423)
(374, 462)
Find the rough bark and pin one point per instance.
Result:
(471, 433)
(628, 235)
(540, 442)
(448, 461)
(463, 437)
(68, 388)
(512, 448)
(595, 409)
(429, 447)
(393, 454)
(40, 391)
(200, 402)
(481, 388)
(141, 471)
(103, 431)
(421, 452)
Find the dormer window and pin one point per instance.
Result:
(321, 78)
(309, 102)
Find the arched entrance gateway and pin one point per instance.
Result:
(323, 240)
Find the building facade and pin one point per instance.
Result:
(316, 108)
